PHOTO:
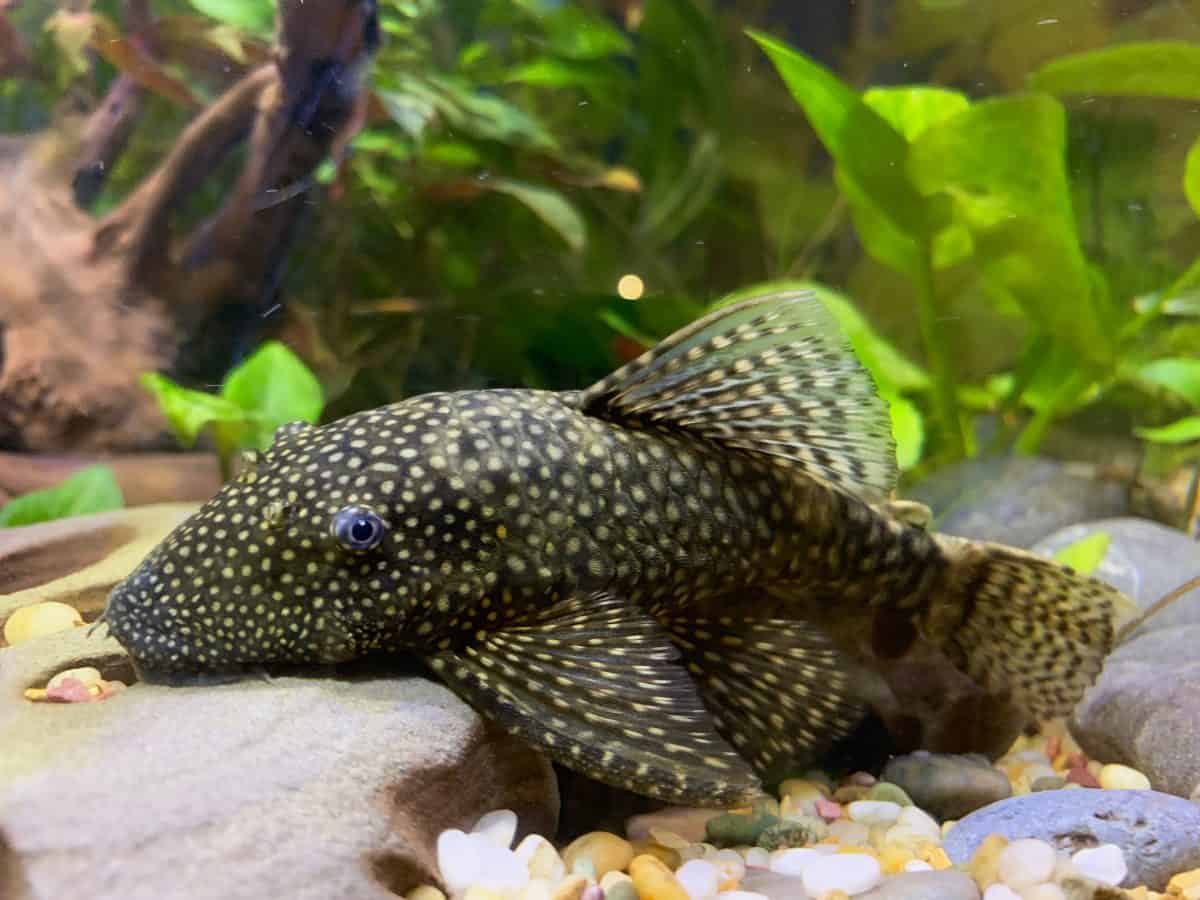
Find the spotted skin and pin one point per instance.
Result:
(661, 581)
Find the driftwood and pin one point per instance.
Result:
(87, 305)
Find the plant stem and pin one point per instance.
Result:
(1032, 435)
(937, 351)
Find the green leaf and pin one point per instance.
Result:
(188, 411)
(911, 110)
(625, 328)
(1182, 431)
(274, 387)
(869, 152)
(548, 205)
(1086, 554)
(1191, 176)
(1002, 165)
(1176, 374)
(257, 16)
(92, 489)
(575, 32)
(908, 428)
(1149, 69)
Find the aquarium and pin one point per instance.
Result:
(600, 449)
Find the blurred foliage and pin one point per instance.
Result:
(1004, 193)
(92, 489)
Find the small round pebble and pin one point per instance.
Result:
(1105, 864)
(498, 826)
(699, 878)
(1115, 777)
(541, 858)
(1025, 863)
(474, 860)
(570, 888)
(1000, 892)
(885, 790)
(874, 812)
(758, 858)
(792, 861)
(917, 865)
(605, 851)
(850, 832)
(618, 886)
(853, 873)
(654, 881)
(425, 892)
(40, 619)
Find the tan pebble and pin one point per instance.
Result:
(848, 793)
(40, 619)
(1185, 884)
(570, 888)
(686, 821)
(984, 866)
(1094, 766)
(476, 892)
(86, 675)
(670, 839)
(425, 892)
(1043, 892)
(658, 851)
(536, 889)
(654, 881)
(541, 858)
(606, 851)
(1115, 777)
(35, 694)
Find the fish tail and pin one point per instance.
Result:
(1025, 626)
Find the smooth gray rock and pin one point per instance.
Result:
(300, 788)
(774, 885)
(1158, 833)
(947, 785)
(1017, 500)
(947, 884)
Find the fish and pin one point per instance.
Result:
(671, 581)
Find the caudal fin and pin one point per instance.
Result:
(1026, 626)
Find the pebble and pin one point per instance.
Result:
(685, 821)
(1105, 863)
(1043, 892)
(1000, 892)
(537, 889)
(743, 895)
(949, 885)
(1025, 863)
(592, 892)
(498, 826)
(729, 863)
(425, 892)
(618, 886)
(853, 873)
(699, 878)
(570, 888)
(984, 865)
(735, 830)
(40, 619)
(793, 833)
(758, 858)
(654, 881)
(792, 861)
(947, 785)
(1049, 783)
(917, 865)
(467, 860)
(892, 793)
(850, 832)
(874, 812)
(828, 810)
(1115, 777)
(606, 852)
(541, 858)
(86, 675)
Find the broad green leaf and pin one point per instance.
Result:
(92, 489)
(625, 328)
(1085, 554)
(1002, 165)
(911, 110)
(1191, 176)
(1179, 375)
(1149, 69)
(1182, 431)
(274, 387)
(575, 32)
(188, 411)
(257, 16)
(549, 71)
(908, 428)
(869, 152)
(548, 205)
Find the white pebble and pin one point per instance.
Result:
(854, 873)
(1043, 892)
(874, 812)
(498, 826)
(848, 832)
(1105, 863)
(473, 859)
(758, 858)
(916, 818)
(1000, 891)
(793, 860)
(699, 878)
(917, 865)
(730, 864)
(743, 895)
(1025, 863)
(541, 858)
(1116, 777)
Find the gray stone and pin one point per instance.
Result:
(774, 885)
(947, 785)
(1157, 832)
(1144, 709)
(947, 884)
(299, 788)
(1018, 500)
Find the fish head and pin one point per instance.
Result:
(292, 561)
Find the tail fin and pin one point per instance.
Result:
(1026, 626)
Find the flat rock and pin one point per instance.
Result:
(947, 785)
(1144, 710)
(1157, 832)
(299, 788)
(947, 884)
(1018, 500)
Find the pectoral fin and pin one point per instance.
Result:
(597, 685)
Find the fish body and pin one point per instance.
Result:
(662, 580)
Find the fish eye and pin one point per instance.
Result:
(358, 528)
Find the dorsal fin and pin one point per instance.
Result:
(773, 375)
